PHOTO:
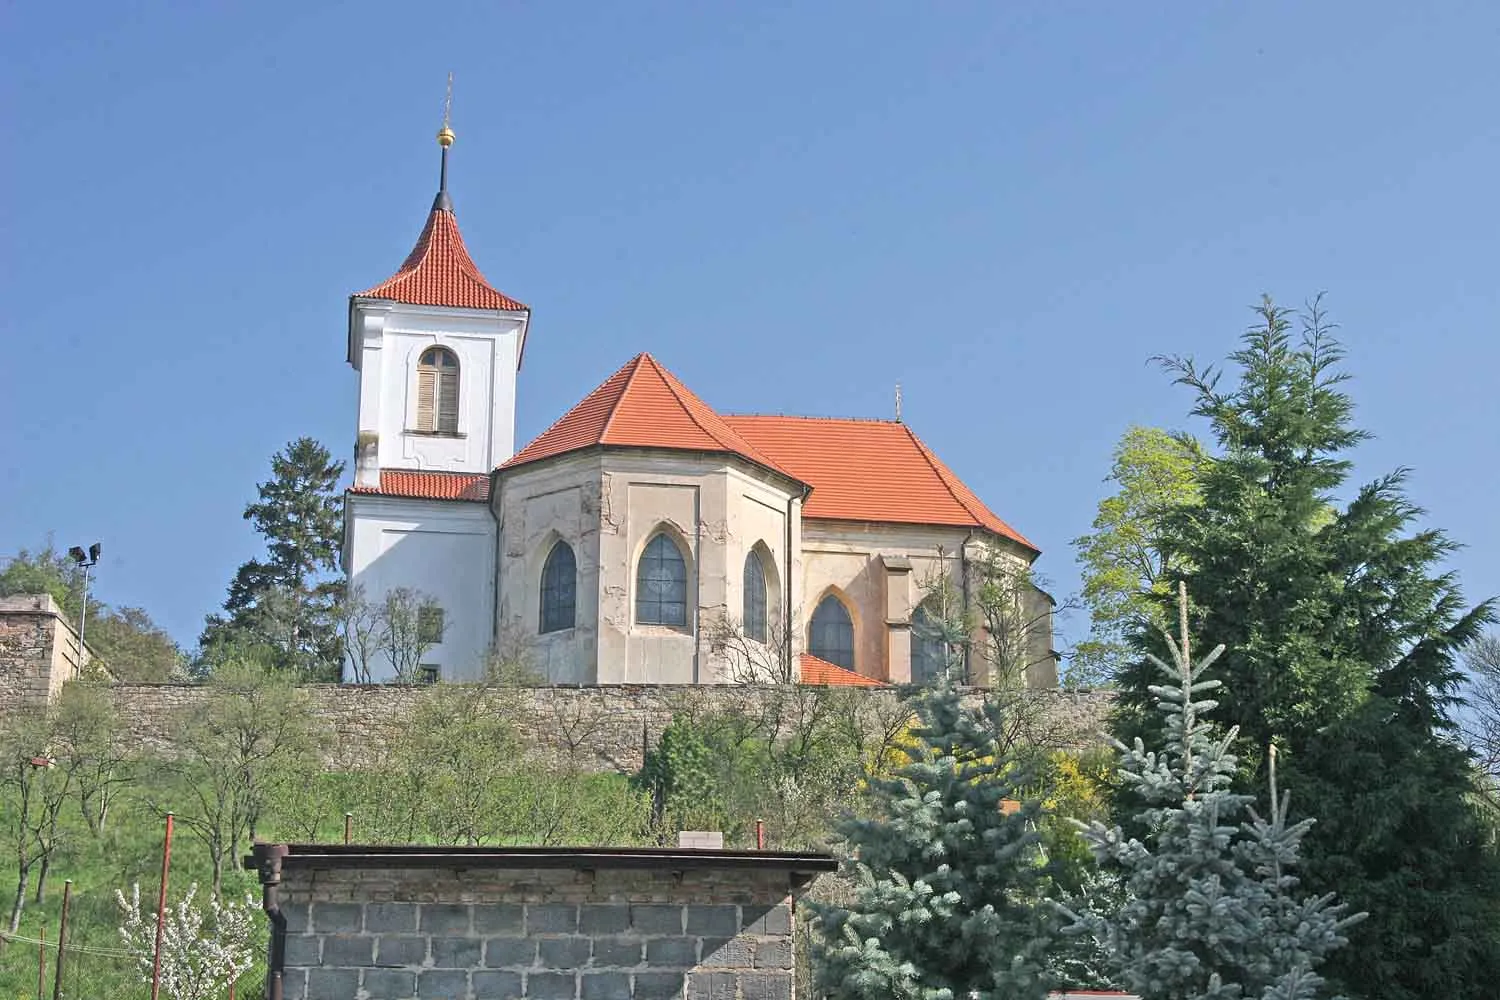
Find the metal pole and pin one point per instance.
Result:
(41, 965)
(161, 910)
(62, 940)
(83, 613)
(348, 827)
(760, 835)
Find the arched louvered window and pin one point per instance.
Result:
(755, 597)
(661, 590)
(929, 653)
(831, 637)
(559, 589)
(437, 391)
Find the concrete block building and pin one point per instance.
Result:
(643, 526)
(402, 923)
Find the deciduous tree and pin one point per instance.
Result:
(37, 787)
(234, 754)
(1127, 560)
(1484, 727)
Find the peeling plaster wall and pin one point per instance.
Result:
(715, 510)
(537, 506)
(607, 505)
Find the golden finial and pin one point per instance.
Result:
(445, 134)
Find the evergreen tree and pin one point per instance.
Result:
(1210, 909)
(282, 610)
(950, 881)
(679, 774)
(1344, 636)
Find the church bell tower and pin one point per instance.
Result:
(437, 349)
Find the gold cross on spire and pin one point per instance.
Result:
(445, 134)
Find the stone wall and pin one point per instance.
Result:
(595, 728)
(589, 932)
(39, 650)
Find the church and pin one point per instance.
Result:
(643, 538)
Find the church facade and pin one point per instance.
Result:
(643, 537)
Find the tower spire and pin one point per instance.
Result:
(442, 203)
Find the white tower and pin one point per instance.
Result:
(437, 349)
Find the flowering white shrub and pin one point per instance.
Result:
(198, 962)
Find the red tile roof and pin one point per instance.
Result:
(440, 272)
(816, 670)
(430, 485)
(643, 406)
(869, 470)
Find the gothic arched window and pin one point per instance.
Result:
(832, 633)
(929, 653)
(755, 597)
(661, 584)
(437, 391)
(559, 588)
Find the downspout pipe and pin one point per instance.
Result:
(963, 583)
(787, 623)
(267, 860)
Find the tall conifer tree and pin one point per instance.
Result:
(1343, 635)
(282, 608)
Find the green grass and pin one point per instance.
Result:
(599, 808)
(128, 851)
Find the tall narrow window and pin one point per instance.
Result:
(929, 653)
(661, 585)
(755, 597)
(437, 391)
(832, 633)
(559, 588)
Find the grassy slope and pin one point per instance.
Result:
(129, 851)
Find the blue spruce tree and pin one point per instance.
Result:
(950, 881)
(1211, 911)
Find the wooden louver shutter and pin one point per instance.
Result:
(447, 409)
(426, 390)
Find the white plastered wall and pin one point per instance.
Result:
(387, 340)
(444, 549)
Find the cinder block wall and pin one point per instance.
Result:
(391, 934)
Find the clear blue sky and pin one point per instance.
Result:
(1005, 207)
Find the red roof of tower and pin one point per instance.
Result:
(644, 406)
(869, 470)
(440, 272)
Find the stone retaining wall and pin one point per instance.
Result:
(594, 728)
(39, 650)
